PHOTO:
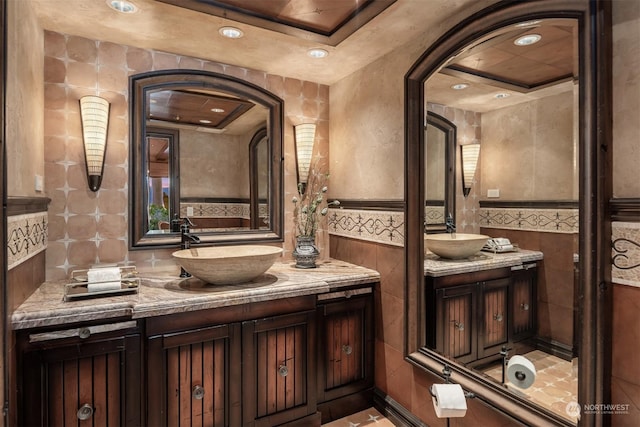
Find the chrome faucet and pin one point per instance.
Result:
(186, 239)
(451, 228)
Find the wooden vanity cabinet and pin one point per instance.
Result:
(247, 365)
(471, 316)
(345, 352)
(88, 375)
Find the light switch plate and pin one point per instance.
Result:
(39, 183)
(493, 193)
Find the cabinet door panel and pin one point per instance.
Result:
(455, 318)
(494, 331)
(523, 304)
(278, 365)
(193, 380)
(93, 375)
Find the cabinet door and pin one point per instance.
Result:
(94, 383)
(278, 369)
(456, 322)
(494, 332)
(345, 350)
(524, 284)
(194, 377)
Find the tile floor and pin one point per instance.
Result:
(556, 385)
(369, 417)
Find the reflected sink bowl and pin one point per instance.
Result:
(227, 265)
(462, 246)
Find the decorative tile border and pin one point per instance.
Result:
(221, 210)
(434, 215)
(27, 235)
(372, 225)
(625, 253)
(531, 219)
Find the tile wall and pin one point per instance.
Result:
(87, 228)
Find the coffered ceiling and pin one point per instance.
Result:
(279, 33)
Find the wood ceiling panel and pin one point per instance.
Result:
(326, 21)
(192, 108)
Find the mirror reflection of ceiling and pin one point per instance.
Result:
(498, 73)
(195, 108)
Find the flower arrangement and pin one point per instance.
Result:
(308, 210)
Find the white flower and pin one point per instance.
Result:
(324, 211)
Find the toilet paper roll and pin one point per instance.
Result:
(449, 400)
(521, 372)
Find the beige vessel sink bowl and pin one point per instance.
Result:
(228, 265)
(455, 245)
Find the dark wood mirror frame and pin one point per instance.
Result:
(594, 293)
(254, 193)
(139, 85)
(449, 130)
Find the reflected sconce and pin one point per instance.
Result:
(305, 137)
(470, 154)
(94, 112)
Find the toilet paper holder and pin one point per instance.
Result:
(520, 375)
(446, 375)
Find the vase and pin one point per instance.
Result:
(305, 252)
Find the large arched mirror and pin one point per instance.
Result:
(583, 85)
(208, 147)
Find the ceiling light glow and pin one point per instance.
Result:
(317, 53)
(204, 121)
(459, 86)
(217, 110)
(231, 32)
(501, 95)
(122, 6)
(527, 40)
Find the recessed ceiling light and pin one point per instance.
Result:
(218, 110)
(317, 53)
(206, 122)
(501, 95)
(231, 32)
(527, 40)
(459, 86)
(122, 6)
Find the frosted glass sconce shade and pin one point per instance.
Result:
(305, 137)
(95, 121)
(470, 154)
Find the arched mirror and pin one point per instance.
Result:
(440, 172)
(500, 78)
(208, 147)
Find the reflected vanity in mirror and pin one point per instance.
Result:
(443, 65)
(208, 147)
(440, 175)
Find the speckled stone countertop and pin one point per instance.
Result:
(165, 293)
(434, 266)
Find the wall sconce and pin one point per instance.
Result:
(95, 121)
(470, 153)
(305, 137)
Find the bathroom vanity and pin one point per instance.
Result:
(476, 306)
(293, 347)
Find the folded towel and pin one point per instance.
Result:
(103, 286)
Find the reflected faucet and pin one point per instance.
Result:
(451, 228)
(186, 238)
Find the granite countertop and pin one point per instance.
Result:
(165, 293)
(434, 266)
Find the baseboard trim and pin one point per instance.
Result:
(394, 411)
(555, 348)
